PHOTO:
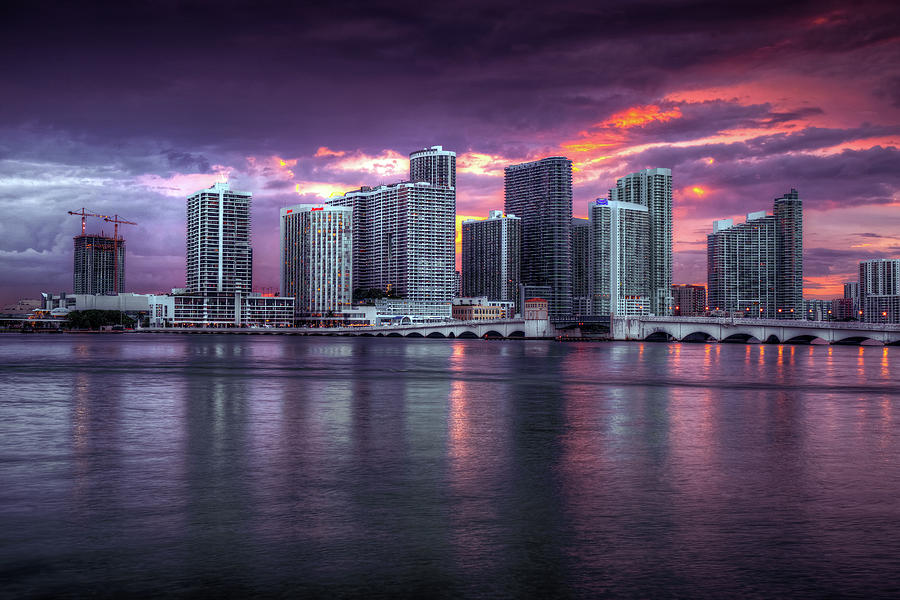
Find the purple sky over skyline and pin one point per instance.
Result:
(127, 109)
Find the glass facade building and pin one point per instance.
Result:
(540, 194)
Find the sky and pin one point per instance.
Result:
(126, 108)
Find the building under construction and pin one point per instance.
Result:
(99, 264)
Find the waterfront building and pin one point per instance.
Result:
(844, 309)
(507, 309)
(415, 311)
(540, 194)
(316, 258)
(755, 268)
(220, 310)
(433, 165)
(620, 277)
(690, 300)
(403, 234)
(788, 213)
(817, 310)
(219, 256)
(491, 254)
(531, 291)
(536, 309)
(477, 312)
(457, 284)
(99, 264)
(581, 267)
(652, 188)
(851, 293)
(134, 305)
(879, 290)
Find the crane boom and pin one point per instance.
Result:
(83, 213)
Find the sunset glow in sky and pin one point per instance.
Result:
(129, 110)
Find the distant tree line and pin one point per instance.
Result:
(95, 319)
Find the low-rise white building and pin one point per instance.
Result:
(221, 310)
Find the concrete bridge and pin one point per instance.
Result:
(769, 331)
(499, 328)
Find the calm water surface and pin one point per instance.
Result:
(259, 466)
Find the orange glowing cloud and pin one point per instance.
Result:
(326, 151)
(826, 286)
(638, 116)
(477, 163)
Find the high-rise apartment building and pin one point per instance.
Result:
(653, 188)
(403, 240)
(789, 252)
(620, 279)
(316, 258)
(581, 267)
(219, 256)
(491, 254)
(540, 193)
(879, 290)
(755, 268)
(97, 258)
(690, 300)
(434, 165)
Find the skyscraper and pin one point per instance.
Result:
(879, 290)
(581, 268)
(403, 234)
(403, 240)
(219, 256)
(789, 252)
(653, 188)
(491, 254)
(96, 261)
(755, 268)
(540, 193)
(316, 258)
(620, 279)
(434, 165)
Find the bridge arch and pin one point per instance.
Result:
(493, 335)
(451, 335)
(436, 334)
(414, 334)
(659, 335)
(698, 337)
(394, 334)
(772, 339)
(517, 334)
(740, 338)
(855, 340)
(805, 339)
(468, 335)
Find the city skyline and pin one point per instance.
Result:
(803, 96)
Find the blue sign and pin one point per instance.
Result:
(601, 202)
